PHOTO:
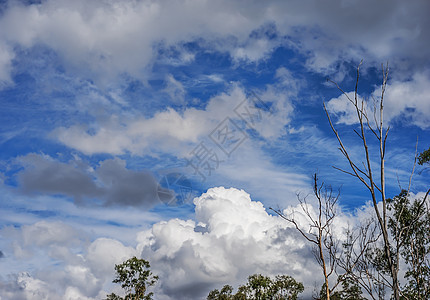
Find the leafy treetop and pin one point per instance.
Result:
(135, 277)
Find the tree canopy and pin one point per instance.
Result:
(260, 287)
(135, 277)
(424, 157)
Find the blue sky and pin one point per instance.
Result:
(102, 101)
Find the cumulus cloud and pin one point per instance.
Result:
(109, 184)
(229, 238)
(23, 286)
(79, 273)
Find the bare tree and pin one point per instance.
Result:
(364, 171)
(408, 226)
(320, 231)
(373, 251)
(354, 258)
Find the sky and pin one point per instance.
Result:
(167, 129)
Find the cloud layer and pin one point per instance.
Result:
(116, 37)
(230, 238)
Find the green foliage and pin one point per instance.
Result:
(410, 226)
(241, 293)
(286, 287)
(323, 294)
(224, 294)
(350, 291)
(113, 297)
(424, 157)
(135, 277)
(261, 287)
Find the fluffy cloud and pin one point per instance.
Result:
(65, 265)
(230, 238)
(24, 286)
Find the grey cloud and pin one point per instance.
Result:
(45, 175)
(23, 286)
(352, 30)
(195, 290)
(127, 187)
(111, 183)
(12, 290)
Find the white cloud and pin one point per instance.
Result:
(43, 233)
(281, 95)
(409, 100)
(33, 288)
(104, 253)
(73, 293)
(169, 130)
(231, 238)
(345, 111)
(78, 273)
(405, 101)
(177, 132)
